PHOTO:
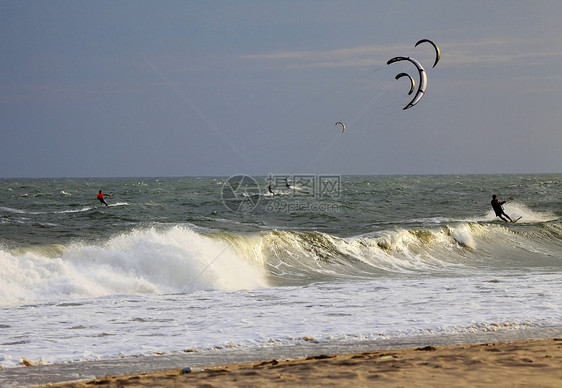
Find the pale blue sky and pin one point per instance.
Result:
(180, 88)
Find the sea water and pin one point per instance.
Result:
(211, 265)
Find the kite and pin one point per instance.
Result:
(412, 82)
(437, 51)
(423, 79)
(342, 124)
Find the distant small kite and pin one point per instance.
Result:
(342, 124)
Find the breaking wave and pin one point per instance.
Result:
(180, 258)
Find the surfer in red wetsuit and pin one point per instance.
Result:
(100, 197)
(497, 206)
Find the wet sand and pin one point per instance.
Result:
(536, 363)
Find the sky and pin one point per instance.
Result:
(219, 88)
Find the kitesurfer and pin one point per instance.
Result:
(100, 197)
(497, 206)
(270, 189)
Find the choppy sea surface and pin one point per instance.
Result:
(206, 265)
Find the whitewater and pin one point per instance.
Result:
(172, 268)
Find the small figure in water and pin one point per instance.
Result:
(287, 183)
(497, 206)
(270, 189)
(100, 197)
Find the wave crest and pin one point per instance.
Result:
(152, 260)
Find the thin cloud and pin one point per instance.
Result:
(489, 51)
(345, 57)
(496, 51)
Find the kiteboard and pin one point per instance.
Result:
(513, 222)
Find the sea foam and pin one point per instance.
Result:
(151, 260)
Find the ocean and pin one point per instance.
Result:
(207, 266)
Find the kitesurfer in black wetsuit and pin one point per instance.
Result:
(497, 206)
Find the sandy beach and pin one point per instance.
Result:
(508, 364)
